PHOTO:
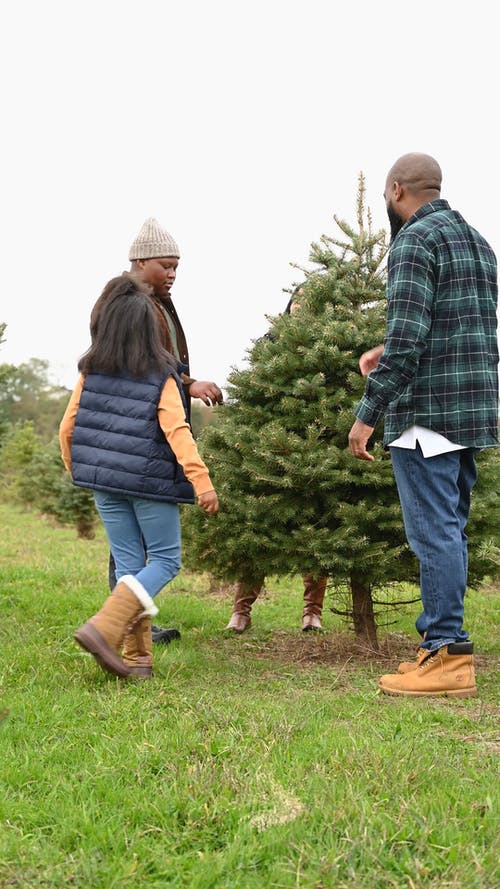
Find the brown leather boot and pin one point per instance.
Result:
(447, 671)
(314, 596)
(244, 597)
(408, 666)
(137, 651)
(103, 634)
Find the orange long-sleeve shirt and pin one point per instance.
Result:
(172, 420)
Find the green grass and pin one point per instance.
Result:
(267, 760)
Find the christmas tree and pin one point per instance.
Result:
(293, 500)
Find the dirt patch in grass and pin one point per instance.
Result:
(335, 648)
(341, 647)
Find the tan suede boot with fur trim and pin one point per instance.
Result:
(103, 634)
(137, 651)
(449, 671)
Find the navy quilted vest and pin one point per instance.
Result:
(118, 444)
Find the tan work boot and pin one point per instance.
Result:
(447, 671)
(314, 596)
(244, 597)
(137, 651)
(408, 666)
(103, 634)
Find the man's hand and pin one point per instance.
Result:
(369, 360)
(209, 502)
(358, 439)
(209, 393)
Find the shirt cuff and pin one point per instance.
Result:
(202, 484)
(369, 412)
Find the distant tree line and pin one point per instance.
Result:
(31, 471)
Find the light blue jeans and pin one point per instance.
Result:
(133, 524)
(435, 499)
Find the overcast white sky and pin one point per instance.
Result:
(242, 126)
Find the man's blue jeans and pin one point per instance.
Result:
(134, 525)
(435, 499)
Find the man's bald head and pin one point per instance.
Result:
(417, 172)
(414, 180)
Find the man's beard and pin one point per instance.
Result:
(396, 221)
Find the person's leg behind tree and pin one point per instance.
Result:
(246, 592)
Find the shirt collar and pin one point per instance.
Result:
(425, 210)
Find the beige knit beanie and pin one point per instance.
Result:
(153, 242)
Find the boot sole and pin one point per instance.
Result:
(140, 672)
(455, 693)
(90, 639)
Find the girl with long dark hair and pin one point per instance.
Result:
(125, 435)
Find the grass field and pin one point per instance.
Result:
(267, 760)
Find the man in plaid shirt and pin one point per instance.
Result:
(435, 383)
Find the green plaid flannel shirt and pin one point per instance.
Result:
(439, 367)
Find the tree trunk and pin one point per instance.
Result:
(362, 612)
